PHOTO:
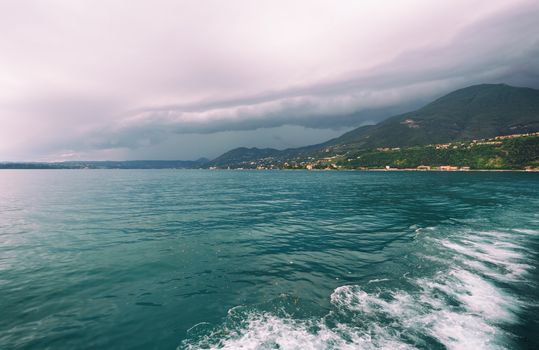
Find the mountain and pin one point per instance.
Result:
(243, 155)
(475, 112)
(137, 164)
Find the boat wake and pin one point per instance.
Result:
(462, 303)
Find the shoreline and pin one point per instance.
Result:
(282, 169)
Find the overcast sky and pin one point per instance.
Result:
(187, 79)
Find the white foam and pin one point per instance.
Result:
(267, 331)
(460, 331)
(506, 258)
(353, 298)
(461, 306)
(481, 305)
(526, 231)
(470, 325)
(477, 296)
(377, 280)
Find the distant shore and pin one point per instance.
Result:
(286, 169)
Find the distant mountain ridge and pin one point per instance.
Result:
(475, 112)
(109, 164)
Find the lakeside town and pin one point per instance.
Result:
(397, 158)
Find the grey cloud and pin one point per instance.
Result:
(500, 49)
(235, 82)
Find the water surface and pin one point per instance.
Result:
(188, 259)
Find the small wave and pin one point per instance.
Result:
(377, 280)
(526, 231)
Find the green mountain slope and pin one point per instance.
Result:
(475, 112)
(514, 153)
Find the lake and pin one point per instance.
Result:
(189, 259)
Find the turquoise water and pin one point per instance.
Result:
(166, 259)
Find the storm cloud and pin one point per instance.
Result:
(168, 80)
